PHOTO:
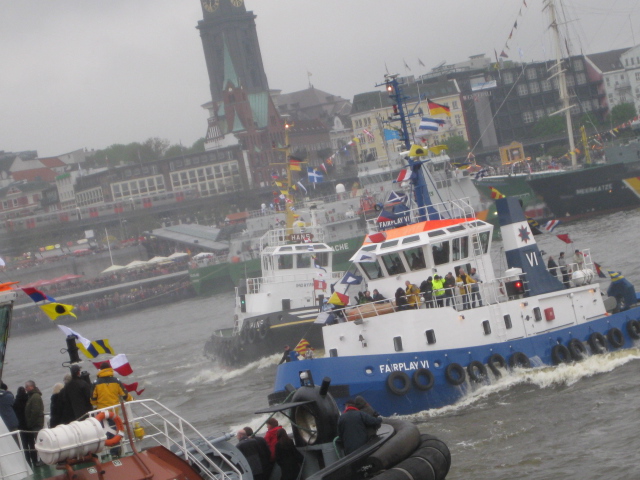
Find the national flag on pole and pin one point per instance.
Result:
(54, 310)
(436, 108)
(368, 133)
(323, 167)
(339, 299)
(86, 346)
(294, 164)
(565, 238)
(404, 175)
(495, 194)
(351, 279)
(433, 124)
(36, 295)
(119, 363)
(132, 387)
(550, 225)
(319, 285)
(302, 347)
(314, 175)
(599, 270)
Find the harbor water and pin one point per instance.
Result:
(573, 421)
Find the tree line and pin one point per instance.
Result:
(153, 148)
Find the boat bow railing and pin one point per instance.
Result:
(451, 209)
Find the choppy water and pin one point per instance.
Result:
(575, 421)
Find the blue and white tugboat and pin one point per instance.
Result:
(406, 360)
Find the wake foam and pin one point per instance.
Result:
(210, 375)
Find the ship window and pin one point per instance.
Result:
(333, 352)
(457, 228)
(486, 326)
(393, 263)
(507, 321)
(412, 239)
(460, 247)
(440, 252)
(302, 247)
(431, 337)
(484, 240)
(537, 314)
(368, 248)
(397, 343)
(286, 249)
(285, 262)
(437, 233)
(303, 260)
(372, 270)
(389, 244)
(415, 258)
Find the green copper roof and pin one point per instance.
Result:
(237, 124)
(260, 107)
(229, 70)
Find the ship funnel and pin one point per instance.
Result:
(522, 250)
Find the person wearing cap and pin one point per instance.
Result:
(76, 397)
(352, 427)
(107, 389)
(7, 413)
(578, 259)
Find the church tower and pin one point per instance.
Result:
(228, 33)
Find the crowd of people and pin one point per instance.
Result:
(562, 269)
(71, 400)
(435, 292)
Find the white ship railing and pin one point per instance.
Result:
(460, 208)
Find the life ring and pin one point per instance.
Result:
(615, 337)
(560, 354)
(455, 374)
(477, 371)
(427, 375)
(117, 438)
(496, 361)
(520, 360)
(598, 343)
(404, 379)
(251, 333)
(577, 349)
(263, 329)
(633, 329)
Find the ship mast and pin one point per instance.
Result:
(562, 81)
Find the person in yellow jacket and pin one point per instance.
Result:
(413, 294)
(438, 290)
(107, 389)
(464, 282)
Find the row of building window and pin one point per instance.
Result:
(89, 197)
(205, 158)
(220, 178)
(138, 188)
(540, 113)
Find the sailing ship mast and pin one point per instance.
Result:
(562, 81)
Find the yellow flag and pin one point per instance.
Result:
(54, 310)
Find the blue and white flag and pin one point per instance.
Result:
(314, 175)
(351, 279)
(390, 134)
(319, 268)
(550, 225)
(364, 257)
(481, 173)
(430, 124)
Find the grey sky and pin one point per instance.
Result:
(93, 73)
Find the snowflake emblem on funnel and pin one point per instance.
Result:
(524, 234)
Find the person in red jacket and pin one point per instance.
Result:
(271, 436)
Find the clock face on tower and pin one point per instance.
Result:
(210, 5)
(237, 3)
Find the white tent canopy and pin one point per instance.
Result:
(135, 264)
(157, 259)
(112, 268)
(177, 255)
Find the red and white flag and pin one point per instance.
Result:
(119, 363)
(368, 133)
(133, 387)
(319, 285)
(404, 175)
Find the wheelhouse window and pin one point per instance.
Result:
(285, 262)
(372, 270)
(415, 258)
(393, 263)
(460, 248)
(440, 252)
(322, 258)
(303, 260)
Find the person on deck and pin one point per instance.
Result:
(377, 297)
(286, 355)
(413, 294)
(401, 300)
(578, 259)
(475, 288)
(271, 436)
(256, 456)
(287, 457)
(552, 266)
(426, 288)
(265, 453)
(7, 413)
(464, 283)
(564, 270)
(438, 290)
(449, 289)
(56, 406)
(352, 427)
(76, 396)
(34, 415)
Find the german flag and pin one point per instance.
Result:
(436, 108)
(294, 164)
(495, 194)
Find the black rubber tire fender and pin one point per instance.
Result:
(519, 359)
(598, 343)
(401, 376)
(577, 349)
(496, 361)
(417, 377)
(633, 329)
(455, 374)
(263, 330)
(615, 337)
(477, 371)
(560, 354)
(251, 333)
(429, 441)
